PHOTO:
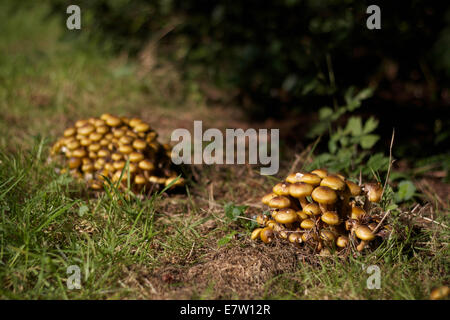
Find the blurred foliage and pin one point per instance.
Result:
(289, 57)
(279, 52)
(349, 147)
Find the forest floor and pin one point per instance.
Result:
(173, 246)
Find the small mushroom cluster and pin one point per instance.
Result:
(321, 210)
(99, 148)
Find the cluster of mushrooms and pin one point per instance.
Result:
(117, 148)
(323, 211)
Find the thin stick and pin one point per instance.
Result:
(379, 224)
(390, 161)
(295, 163)
(240, 217)
(190, 252)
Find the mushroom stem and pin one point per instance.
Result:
(361, 245)
(326, 207)
(303, 202)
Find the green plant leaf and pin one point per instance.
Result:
(354, 126)
(378, 161)
(405, 192)
(364, 94)
(325, 113)
(368, 140)
(226, 239)
(370, 125)
(232, 211)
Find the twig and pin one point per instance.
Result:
(434, 221)
(253, 205)
(211, 195)
(390, 162)
(240, 217)
(382, 219)
(296, 161)
(190, 253)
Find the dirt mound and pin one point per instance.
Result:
(226, 273)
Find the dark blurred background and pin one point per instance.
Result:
(288, 59)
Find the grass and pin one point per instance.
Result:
(163, 246)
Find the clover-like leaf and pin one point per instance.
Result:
(405, 192)
(369, 140)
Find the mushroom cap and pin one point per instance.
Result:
(157, 180)
(69, 132)
(310, 178)
(357, 212)
(294, 177)
(331, 218)
(261, 219)
(307, 236)
(255, 233)
(300, 189)
(178, 183)
(136, 157)
(103, 153)
(285, 216)
(440, 293)
(266, 235)
(86, 129)
(354, 189)
(342, 241)
(74, 163)
(139, 144)
(112, 121)
(312, 209)
(307, 224)
(364, 233)
(271, 224)
(125, 149)
(116, 156)
(146, 165)
(324, 195)
(333, 182)
(94, 147)
(327, 235)
(280, 202)
(79, 153)
(133, 122)
(374, 191)
(125, 140)
(140, 179)
(295, 237)
(95, 136)
(142, 127)
(281, 189)
(72, 145)
(266, 199)
(118, 133)
(322, 173)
